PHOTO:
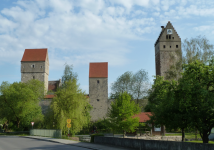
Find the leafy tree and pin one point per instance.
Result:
(164, 104)
(136, 85)
(20, 102)
(194, 49)
(71, 103)
(68, 74)
(197, 99)
(121, 112)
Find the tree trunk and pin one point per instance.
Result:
(18, 122)
(183, 135)
(196, 134)
(205, 137)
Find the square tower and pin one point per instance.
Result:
(98, 89)
(35, 65)
(167, 44)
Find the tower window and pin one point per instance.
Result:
(164, 46)
(98, 81)
(41, 66)
(33, 66)
(33, 77)
(170, 46)
(176, 46)
(169, 36)
(98, 100)
(172, 37)
(166, 36)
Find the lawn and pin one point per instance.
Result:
(187, 135)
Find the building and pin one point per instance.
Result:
(144, 117)
(35, 65)
(167, 44)
(98, 89)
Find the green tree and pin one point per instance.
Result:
(20, 102)
(121, 112)
(164, 104)
(68, 74)
(197, 99)
(71, 103)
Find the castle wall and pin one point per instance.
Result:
(98, 97)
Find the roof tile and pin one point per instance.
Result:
(98, 70)
(35, 54)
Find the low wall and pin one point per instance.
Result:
(46, 132)
(152, 144)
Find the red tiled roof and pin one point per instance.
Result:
(35, 54)
(143, 116)
(98, 70)
(49, 96)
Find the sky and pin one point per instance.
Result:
(120, 32)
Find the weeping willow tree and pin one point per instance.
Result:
(70, 103)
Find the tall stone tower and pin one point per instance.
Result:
(35, 65)
(98, 89)
(167, 43)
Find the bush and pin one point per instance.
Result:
(93, 135)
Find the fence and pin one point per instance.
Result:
(46, 132)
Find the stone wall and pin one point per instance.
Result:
(98, 96)
(152, 144)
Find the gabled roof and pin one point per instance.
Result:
(35, 54)
(144, 116)
(98, 70)
(169, 25)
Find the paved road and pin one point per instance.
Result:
(21, 143)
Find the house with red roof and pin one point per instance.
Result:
(144, 117)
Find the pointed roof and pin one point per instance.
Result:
(169, 25)
(98, 70)
(35, 54)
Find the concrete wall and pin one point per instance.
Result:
(98, 96)
(152, 144)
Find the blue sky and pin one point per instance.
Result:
(120, 32)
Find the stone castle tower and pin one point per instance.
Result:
(35, 65)
(167, 43)
(98, 89)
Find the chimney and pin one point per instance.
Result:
(162, 28)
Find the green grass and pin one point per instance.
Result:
(187, 135)
(210, 142)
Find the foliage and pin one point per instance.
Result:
(121, 112)
(69, 102)
(136, 85)
(102, 125)
(20, 103)
(68, 74)
(190, 100)
(194, 49)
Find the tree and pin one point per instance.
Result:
(197, 98)
(136, 85)
(68, 74)
(140, 85)
(20, 102)
(164, 104)
(190, 100)
(69, 102)
(123, 83)
(194, 49)
(121, 112)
